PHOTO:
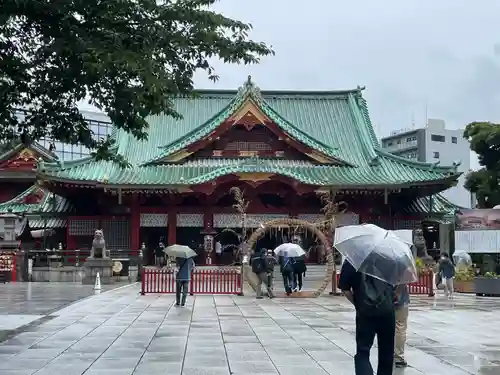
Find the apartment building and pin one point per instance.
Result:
(435, 143)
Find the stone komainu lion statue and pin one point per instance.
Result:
(99, 244)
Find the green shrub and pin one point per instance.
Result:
(490, 275)
(465, 274)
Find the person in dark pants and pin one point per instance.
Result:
(182, 278)
(299, 271)
(382, 324)
(286, 269)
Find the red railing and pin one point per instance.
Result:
(203, 281)
(424, 285)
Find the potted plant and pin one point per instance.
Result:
(422, 268)
(464, 280)
(487, 285)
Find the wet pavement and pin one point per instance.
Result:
(24, 304)
(121, 332)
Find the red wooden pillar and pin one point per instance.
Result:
(172, 227)
(135, 224)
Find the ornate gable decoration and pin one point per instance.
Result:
(24, 160)
(247, 109)
(24, 157)
(249, 89)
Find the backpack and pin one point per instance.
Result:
(258, 265)
(374, 297)
(270, 263)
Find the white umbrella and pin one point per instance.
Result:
(180, 251)
(377, 252)
(289, 249)
(349, 231)
(462, 258)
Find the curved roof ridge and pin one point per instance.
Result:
(415, 163)
(252, 92)
(62, 165)
(61, 204)
(282, 92)
(363, 127)
(201, 130)
(363, 107)
(21, 195)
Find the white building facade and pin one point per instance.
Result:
(435, 143)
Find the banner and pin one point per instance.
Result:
(478, 219)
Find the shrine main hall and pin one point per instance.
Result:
(281, 148)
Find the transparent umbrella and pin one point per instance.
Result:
(377, 252)
(462, 258)
(291, 249)
(180, 251)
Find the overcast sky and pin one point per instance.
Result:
(443, 54)
(409, 54)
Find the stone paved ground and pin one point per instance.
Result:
(30, 303)
(120, 332)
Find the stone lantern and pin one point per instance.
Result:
(8, 223)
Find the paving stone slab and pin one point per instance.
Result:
(121, 332)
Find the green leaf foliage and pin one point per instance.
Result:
(129, 58)
(484, 138)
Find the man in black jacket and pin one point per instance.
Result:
(382, 325)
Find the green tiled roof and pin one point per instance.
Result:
(46, 204)
(39, 223)
(335, 123)
(440, 205)
(389, 171)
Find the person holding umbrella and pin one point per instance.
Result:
(287, 252)
(377, 262)
(185, 265)
(299, 272)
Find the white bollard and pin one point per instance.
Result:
(97, 285)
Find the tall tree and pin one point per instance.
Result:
(484, 138)
(128, 57)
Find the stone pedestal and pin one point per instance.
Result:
(94, 265)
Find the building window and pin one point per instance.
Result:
(436, 155)
(438, 138)
(389, 144)
(399, 141)
(69, 152)
(454, 140)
